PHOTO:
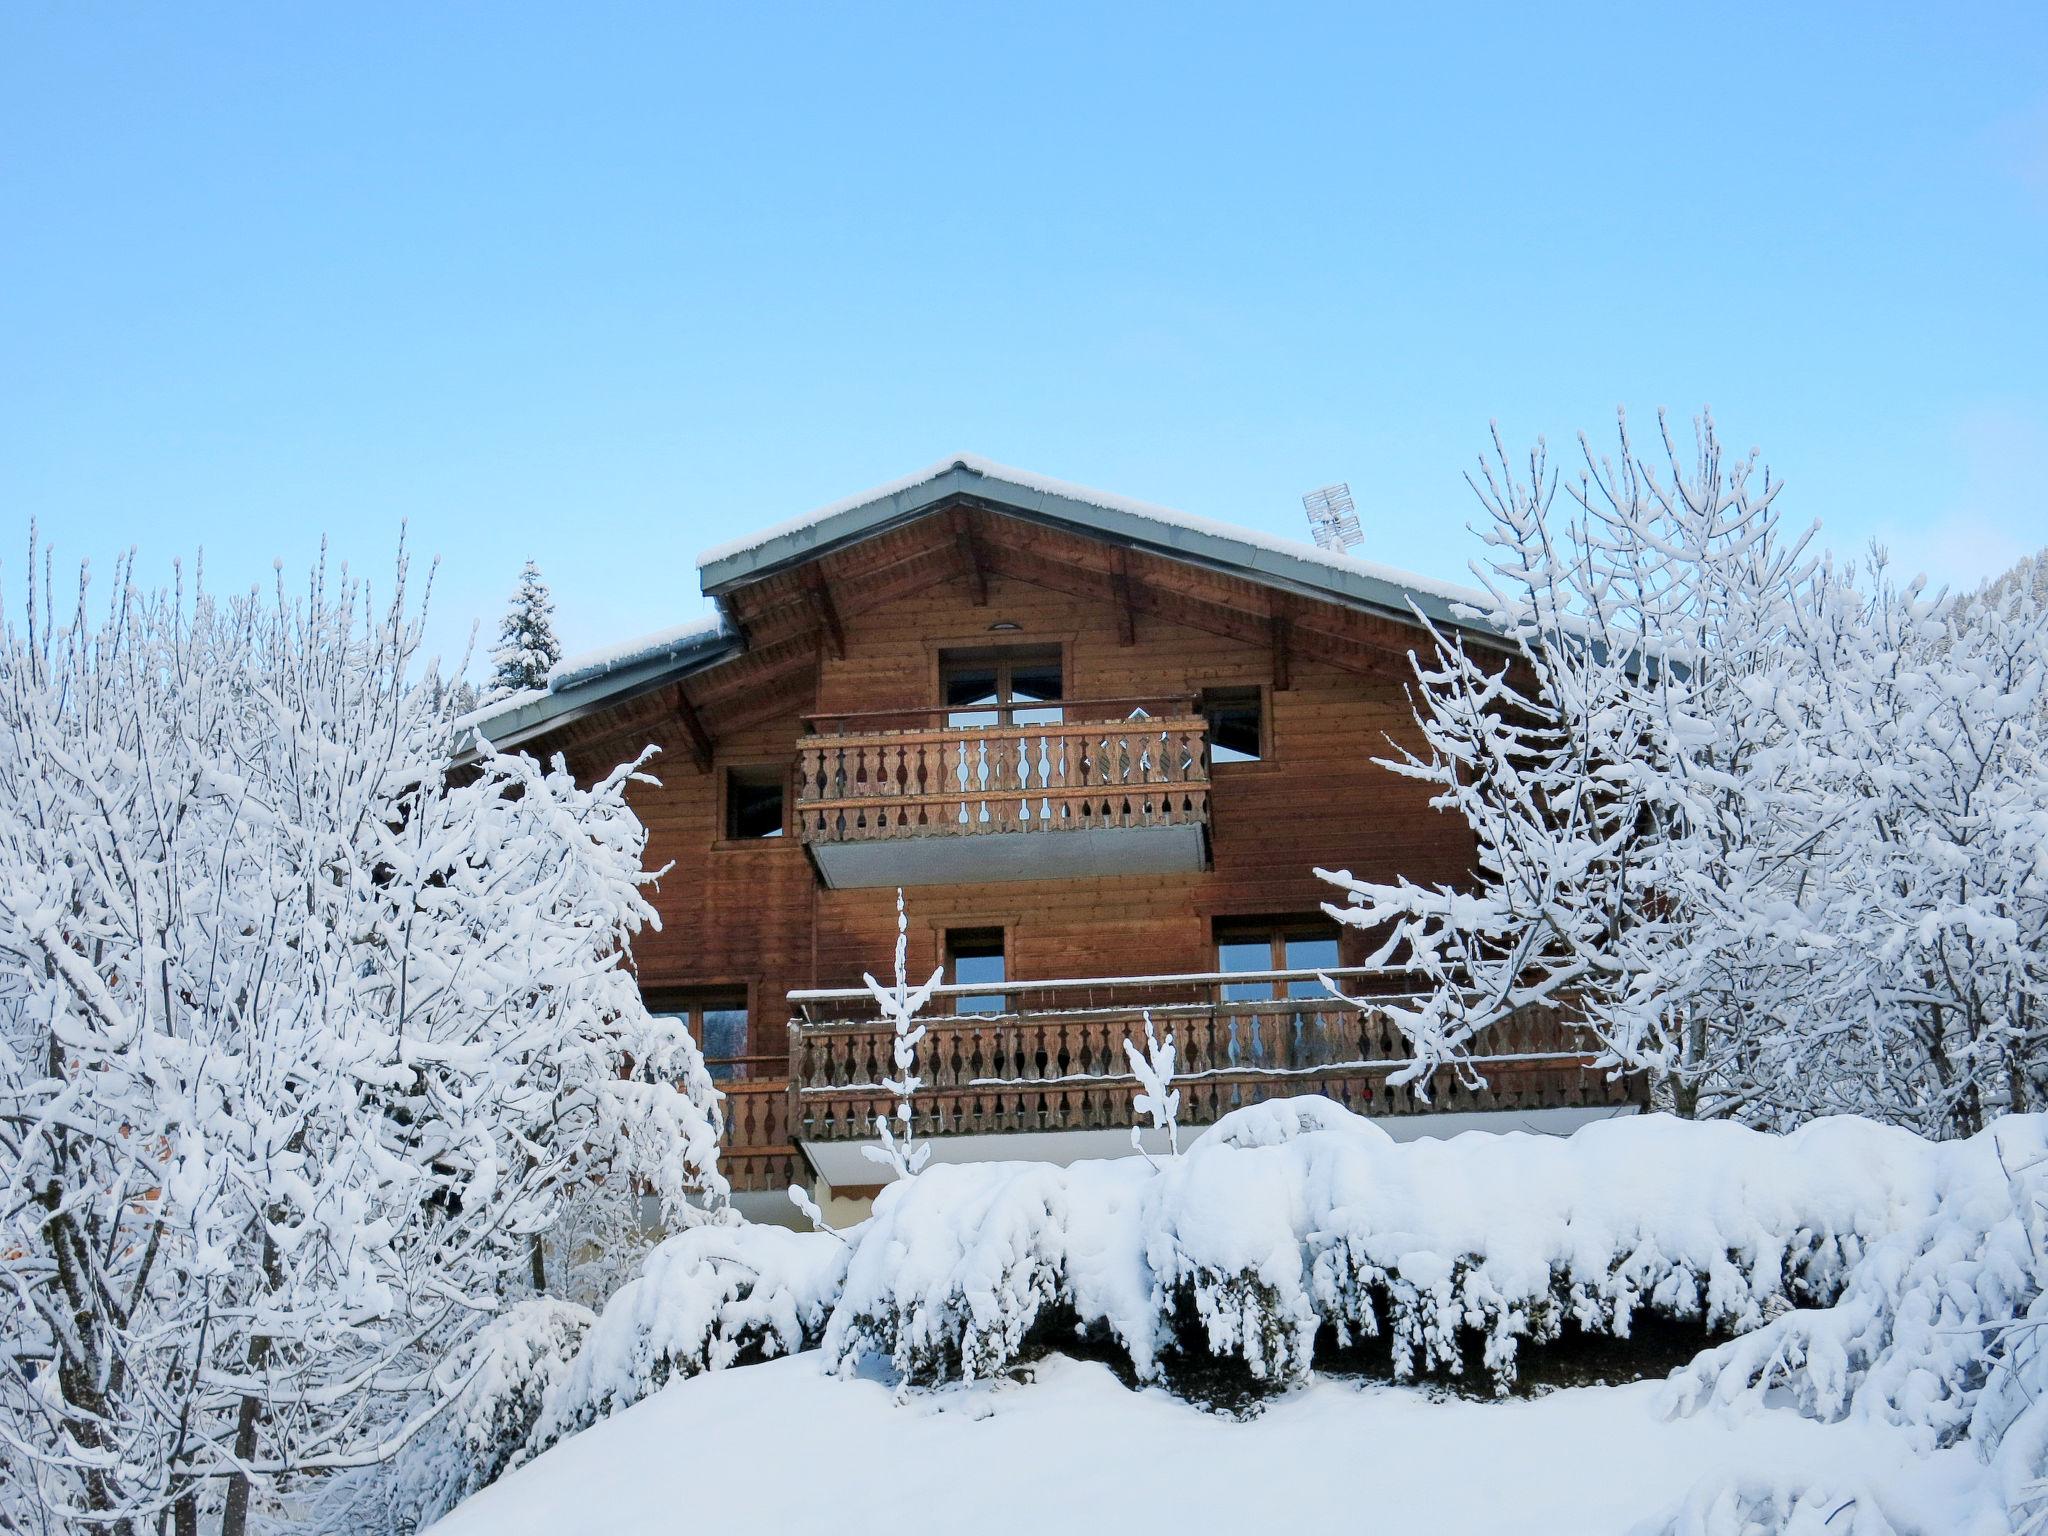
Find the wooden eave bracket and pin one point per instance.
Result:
(970, 556)
(1120, 585)
(1281, 626)
(695, 737)
(819, 594)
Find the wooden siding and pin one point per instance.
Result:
(865, 634)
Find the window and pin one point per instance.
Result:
(717, 1021)
(1001, 687)
(1299, 1037)
(974, 957)
(1275, 944)
(1237, 724)
(753, 803)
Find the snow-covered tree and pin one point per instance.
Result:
(1767, 824)
(900, 1003)
(1601, 758)
(527, 649)
(1155, 1099)
(303, 1032)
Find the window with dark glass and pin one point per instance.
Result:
(1275, 944)
(974, 957)
(717, 1021)
(753, 803)
(1249, 946)
(1237, 724)
(1001, 687)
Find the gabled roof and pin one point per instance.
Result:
(1039, 498)
(595, 680)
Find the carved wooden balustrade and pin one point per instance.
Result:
(939, 781)
(1049, 1068)
(759, 1152)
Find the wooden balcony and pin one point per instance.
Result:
(1113, 787)
(1054, 1062)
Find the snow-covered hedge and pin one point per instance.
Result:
(1938, 1330)
(1851, 1268)
(707, 1298)
(1291, 1218)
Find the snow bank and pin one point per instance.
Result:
(1867, 1280)
(790, 1447)
(1293, 1217)
(707, 1298)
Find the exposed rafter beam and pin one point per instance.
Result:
(970, 556)
(819, 594)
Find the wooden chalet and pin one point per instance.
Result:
(1102, 747)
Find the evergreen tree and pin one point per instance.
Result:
(527, 648)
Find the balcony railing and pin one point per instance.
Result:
(1141, 773)
(938, 780)
(1054, 1060)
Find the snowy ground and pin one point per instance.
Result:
(788, 1447)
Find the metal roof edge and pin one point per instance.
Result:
(586, 696)
(1216, 550)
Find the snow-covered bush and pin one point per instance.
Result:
(953, 1271)
(1850, 1269)
(707, 1298)
(496, 1384)
(1938, 1328)
(303, 1034)
(1155, 1099)
(900, 1151)
(1295, 1216)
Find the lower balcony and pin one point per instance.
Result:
(947, 804)
(1037, 1069)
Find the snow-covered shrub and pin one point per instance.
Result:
(1294, 1216)
(496, 1385)
(900, 1151)
(708, 1298)
(1155, 1099)
(953, 1270)
(1757, 1505)
(1938, 1328)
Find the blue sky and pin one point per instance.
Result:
(607, 284)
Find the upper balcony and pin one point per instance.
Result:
(1083, 787)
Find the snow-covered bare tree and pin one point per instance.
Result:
(1603, 756)
(900, 1151)
(527, 649)
(1930, 725)
(1762, 821)
(1156, 1099)
(303, 1031)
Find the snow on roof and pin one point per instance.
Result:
(1295, 549)
(572, 670)
(1259, 555)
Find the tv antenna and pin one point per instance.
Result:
(1333, 518)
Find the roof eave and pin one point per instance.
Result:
(538, 717)
(1218, 552)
